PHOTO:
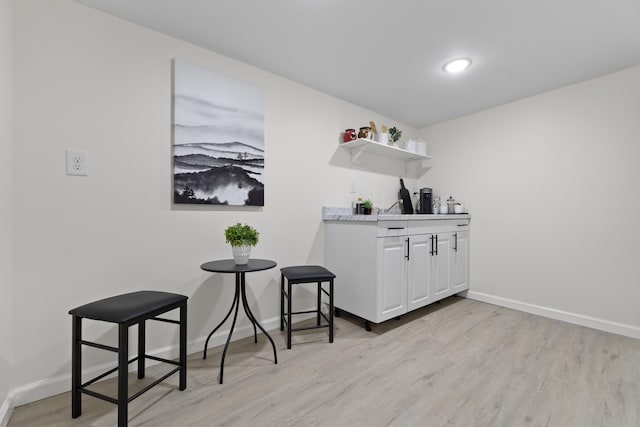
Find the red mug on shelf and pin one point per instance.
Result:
(350, 135)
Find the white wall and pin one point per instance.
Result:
(552, 183)
(6, 188)
(88, 81)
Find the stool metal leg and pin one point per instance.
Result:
(281, 302)
(141, 348)
(183, 346)
(289, 297)
(76, 367)
(123, 363)
(331, 310)
(319, 303)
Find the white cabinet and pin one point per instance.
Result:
(419, 284)
(448, 260)
(461, 261)
(391, 273)
(442, 265)
(387, 268)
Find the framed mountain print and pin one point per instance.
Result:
(218, 139)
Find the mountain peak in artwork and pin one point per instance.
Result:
(187, 134)
(228, 150)
(233, 146)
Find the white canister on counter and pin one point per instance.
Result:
(443, 209)
(458, 208)
(421, 147)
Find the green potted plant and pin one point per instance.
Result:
(395, 135)
(368, 206)
(241, 237)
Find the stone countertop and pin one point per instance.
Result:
(346, 214)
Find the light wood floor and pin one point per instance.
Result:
(460, 363)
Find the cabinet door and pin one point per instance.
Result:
(391, 277)
(442, 265)
(419, 268)
(460, 259)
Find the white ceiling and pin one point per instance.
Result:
(387, 56)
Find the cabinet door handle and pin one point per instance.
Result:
(395, 228)
(408, 247)
(462, 225)
(455, 246)
(436, 245)
(432, 253)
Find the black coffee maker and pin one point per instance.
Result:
(425, 201)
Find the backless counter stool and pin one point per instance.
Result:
(306, 274)
(125, 310)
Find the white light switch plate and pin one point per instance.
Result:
(77, 163)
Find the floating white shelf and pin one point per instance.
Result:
(362, 145)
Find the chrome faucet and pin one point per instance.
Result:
(390, 208)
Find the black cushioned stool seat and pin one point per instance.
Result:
(305, 274)
(126, 310)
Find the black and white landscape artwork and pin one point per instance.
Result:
(218, 136)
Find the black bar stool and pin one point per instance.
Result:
(305, 274)
(125, 310)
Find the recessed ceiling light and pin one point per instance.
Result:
(457, 65)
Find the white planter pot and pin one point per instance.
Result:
(241, 254)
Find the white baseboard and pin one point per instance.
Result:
(5, 410)
(51, 386)
(578, 319)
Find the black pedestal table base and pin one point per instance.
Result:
(229, 266)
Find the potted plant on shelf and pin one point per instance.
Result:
(395, 136)
(367, 206)
(241, 238)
